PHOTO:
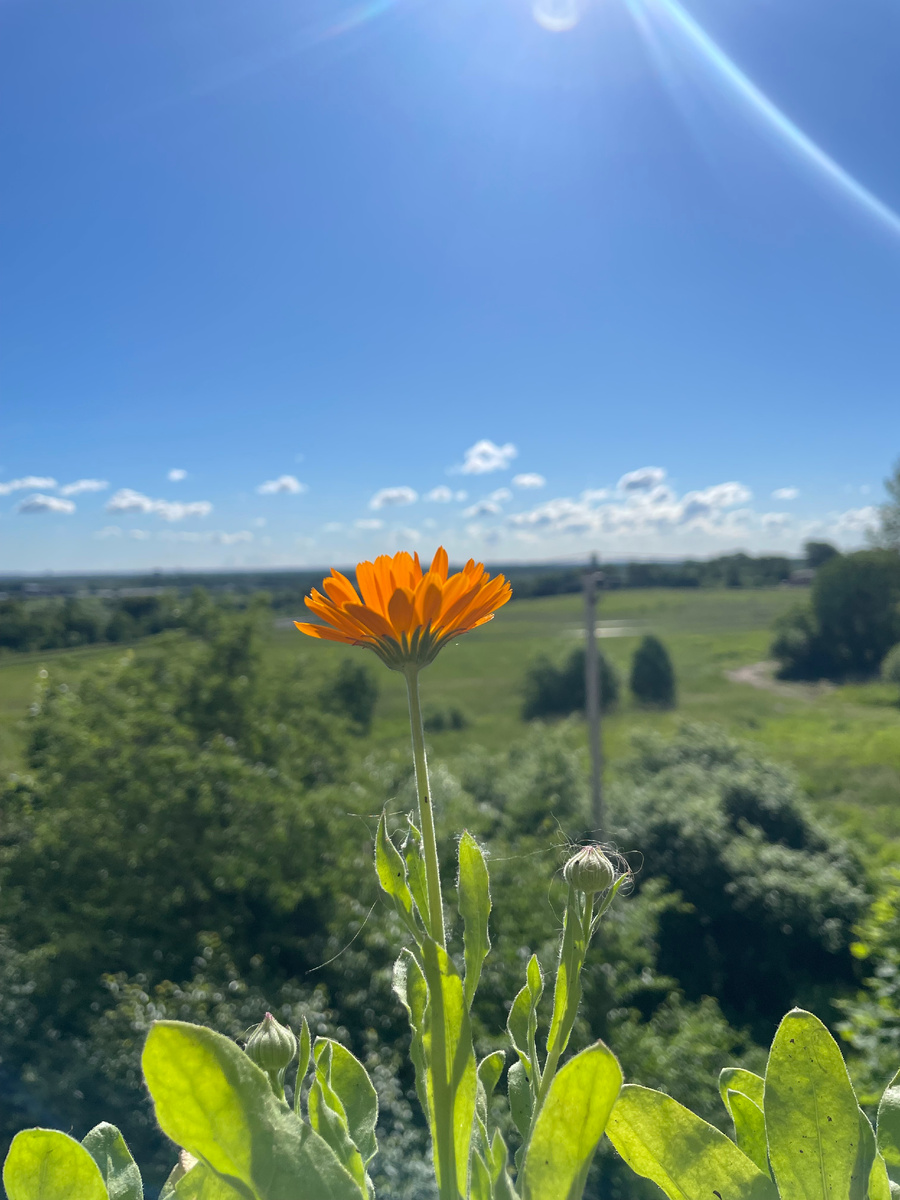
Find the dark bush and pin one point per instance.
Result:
(555, 690)
(652, 675)
(851, 623)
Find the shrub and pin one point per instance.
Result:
(555, 690)
(852, 622)
(890, 666)
(652, 675)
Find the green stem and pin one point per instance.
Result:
(426, 816)
(442, 1087)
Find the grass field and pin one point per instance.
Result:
(844, 743)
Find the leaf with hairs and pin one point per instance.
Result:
(689, 1159)
(812, 1116)
(107, 1148)
(475, 909)
(888, 1128)
(570, 1125)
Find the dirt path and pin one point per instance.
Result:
(762, 675)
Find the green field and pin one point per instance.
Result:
(844, 743)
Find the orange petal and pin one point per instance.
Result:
(340, 590)
(440, 564)
(372, 621)
(369, 579)
(323, 631)
(402, 611)
(428, 599)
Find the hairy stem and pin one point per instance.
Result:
(426, 815)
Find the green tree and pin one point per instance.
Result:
(556, 689)
(888, 536)
(852, 620)
(652, 675)
(817, 554)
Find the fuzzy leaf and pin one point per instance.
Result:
(520, 1098)
(570, 1125)
(475, 908)
(45, 1165)
(812, 1117)
(888, 1128)
(736, 1079)
(350, 1082)
(391, 871)
(107, 1148)
(689, 1159)
(749, 1128)
(215, 1103)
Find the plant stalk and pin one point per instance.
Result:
(426, 815)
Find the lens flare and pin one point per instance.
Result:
(557, 16)
(656, 18)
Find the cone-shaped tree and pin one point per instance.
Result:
(652, 676)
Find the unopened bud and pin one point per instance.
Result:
(589, 871)
(272, 1047)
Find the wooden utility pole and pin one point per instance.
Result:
(593, 580)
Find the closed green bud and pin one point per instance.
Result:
(589, 871)
(272, 1047)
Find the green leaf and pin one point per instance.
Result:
(414, 857)
(749, 1128)
(498, 1164)
(391, 871)
(328, 1119)
(567, 992)
(107, 1148)
(570, 1125)
(480, 1187)
(865, 1158)
(689, 1159)
(215, 1103)
(447, 1004)
(350, 1082)
(201, 1183)
(489, 1071)
(736, 1079)
(412, 991)
(45, 1165)
(522, 1020)
(812, 1117)
(521, 1101)
(888, 1128)
(303, 1054)
(475, 908)
(879, 1183)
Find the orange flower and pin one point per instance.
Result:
(405, 614)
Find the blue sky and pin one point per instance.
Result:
(593, 275)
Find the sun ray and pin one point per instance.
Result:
(654, 17)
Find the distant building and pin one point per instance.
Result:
(802, 577)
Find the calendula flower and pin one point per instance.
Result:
(405, 614)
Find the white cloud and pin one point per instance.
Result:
(84, 485)
(483, 508)
(593, 495)
(109, 531)
(127, 500)
(39, 503)
(217, 537)
(369, 523)
(443, 495)
(176, 475)
(333, 527)
(29, 481)
(641, 480)
(258, 522)
(713, 499)
(500, 496)
(854, 521)
(393, 496)
(788, 493)
(138, 535)
(529, 480)
(775, 520)
(486, 456)
(284, 483)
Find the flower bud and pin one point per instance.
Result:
(272, 1047)
(589, 871)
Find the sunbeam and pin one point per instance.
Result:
(652, 16)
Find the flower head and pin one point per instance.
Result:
(590, 871)
(405, 614)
